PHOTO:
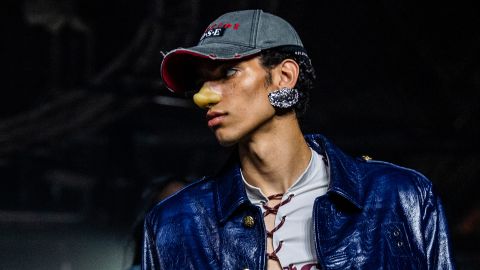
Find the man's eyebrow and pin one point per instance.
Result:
(212, 71)
(225, 65)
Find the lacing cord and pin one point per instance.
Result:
(274, 210)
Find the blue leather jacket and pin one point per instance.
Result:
(375, 215)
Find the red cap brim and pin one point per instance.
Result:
(177, 69)
(178, 66)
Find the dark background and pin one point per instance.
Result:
(87, 129)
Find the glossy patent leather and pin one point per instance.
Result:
(375, 215)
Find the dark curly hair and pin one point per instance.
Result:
(306, 79)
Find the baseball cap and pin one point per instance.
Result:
(233, 36)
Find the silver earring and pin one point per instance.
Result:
(284, 98)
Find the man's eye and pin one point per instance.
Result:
(230, 72)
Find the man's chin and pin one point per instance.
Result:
(226, 143)
(224, 140)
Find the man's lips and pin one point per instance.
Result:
(214, 118)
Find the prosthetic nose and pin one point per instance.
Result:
(206, 97)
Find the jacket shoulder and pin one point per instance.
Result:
(180, 232)
(183, 205)
(397, 178)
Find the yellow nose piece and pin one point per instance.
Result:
(206, 97)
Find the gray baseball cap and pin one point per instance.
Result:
(232, 36)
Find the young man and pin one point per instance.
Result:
(286, 201)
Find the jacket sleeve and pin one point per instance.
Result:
(150, 256)
(437, 240)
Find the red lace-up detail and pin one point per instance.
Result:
(273, 255)
(274, 210)
(270, 233)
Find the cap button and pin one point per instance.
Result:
(248, 221)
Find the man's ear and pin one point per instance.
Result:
(287, 72)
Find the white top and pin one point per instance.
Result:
(298, 248)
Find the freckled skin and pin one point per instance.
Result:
(244, 101)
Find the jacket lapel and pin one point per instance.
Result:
(230, 191)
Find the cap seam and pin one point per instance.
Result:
(232, 43)
(254, 28)
(282, 45)
(291, 29)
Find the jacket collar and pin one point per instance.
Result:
(230, 190)
(345, 177)
(345, 172)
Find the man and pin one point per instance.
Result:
(284, 201)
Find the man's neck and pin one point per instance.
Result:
(273, 160)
